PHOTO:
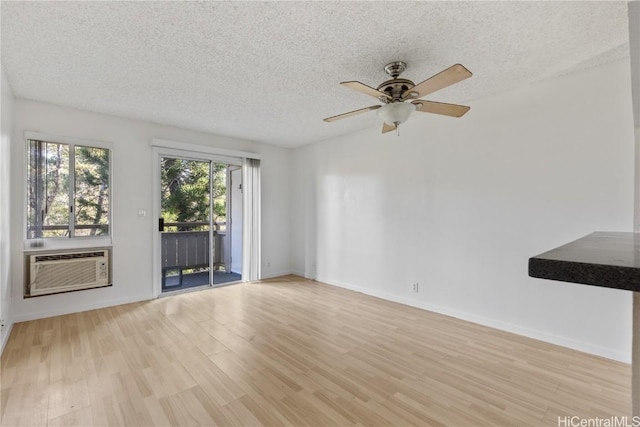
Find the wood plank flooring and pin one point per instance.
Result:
(291, 352)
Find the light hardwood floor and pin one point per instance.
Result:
(289, 351)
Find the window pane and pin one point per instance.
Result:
(185, 194)
(220, 196)
(91, 191)
(48, 190)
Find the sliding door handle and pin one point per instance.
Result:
(161, 224)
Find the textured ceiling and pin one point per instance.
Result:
(269, 71)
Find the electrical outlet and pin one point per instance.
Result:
(1, 324)
(268, 263)
(415, 287)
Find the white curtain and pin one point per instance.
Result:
(251, 247)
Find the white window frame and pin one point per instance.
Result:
(71, 242)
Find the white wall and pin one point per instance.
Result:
(132, 183)
(459, 205)
(6, 114)
(634, 50)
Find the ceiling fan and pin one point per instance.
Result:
(400, 97)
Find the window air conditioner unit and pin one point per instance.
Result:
(68, 271)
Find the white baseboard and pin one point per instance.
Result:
(271, 275)
(57, 311)
(5, 336)
(301, 274)
(492, 323)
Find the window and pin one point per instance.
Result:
(68, 190)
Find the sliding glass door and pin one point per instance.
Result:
(185, 223)
(200, 214)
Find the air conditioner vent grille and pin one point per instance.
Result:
(58, 257)
(53, 276)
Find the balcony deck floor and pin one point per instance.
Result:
(200, 279)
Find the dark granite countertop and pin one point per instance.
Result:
(608, 259)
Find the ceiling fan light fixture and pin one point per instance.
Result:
(400, 97)
(396, 112)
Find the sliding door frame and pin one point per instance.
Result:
(161, 149)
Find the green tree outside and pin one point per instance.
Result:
(186, 194)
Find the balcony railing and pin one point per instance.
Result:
(190, 249)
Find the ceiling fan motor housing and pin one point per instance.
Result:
(395, 88)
